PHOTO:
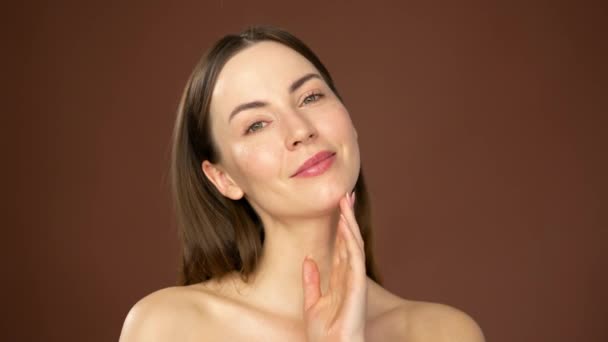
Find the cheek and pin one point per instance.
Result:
(339, 129)
(256, 161)
(337, 126)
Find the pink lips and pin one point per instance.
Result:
(316, 164)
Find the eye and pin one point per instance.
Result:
(314, 97)
(254, 127)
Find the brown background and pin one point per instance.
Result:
(483, 132)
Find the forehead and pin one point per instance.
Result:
(258, 72)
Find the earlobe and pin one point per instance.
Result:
(222, 181)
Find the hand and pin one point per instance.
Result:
(339, 314)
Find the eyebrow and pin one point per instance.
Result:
(257, 104)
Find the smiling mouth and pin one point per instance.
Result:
(316, 165)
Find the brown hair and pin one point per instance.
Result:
(220, 235)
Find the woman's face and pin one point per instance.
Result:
(264, 144)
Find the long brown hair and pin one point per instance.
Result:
(220, 235)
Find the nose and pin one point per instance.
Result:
(300, 130)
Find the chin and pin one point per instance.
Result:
(324, 193)
(328, 196)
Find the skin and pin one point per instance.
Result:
(310, 284)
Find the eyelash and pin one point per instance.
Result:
(316, 95)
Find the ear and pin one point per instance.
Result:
(222, 181)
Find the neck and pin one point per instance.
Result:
(277, 281)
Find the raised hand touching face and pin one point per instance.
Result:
(339, 314)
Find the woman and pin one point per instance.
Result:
(276, 244)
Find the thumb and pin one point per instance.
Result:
(311, 284)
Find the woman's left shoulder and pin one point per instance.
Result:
(423, 321)
(440, 322)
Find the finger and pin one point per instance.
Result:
(351, 273)
(342, 228)
(353, 220)
(348, 211)
(339, 253)
(341, 271)
(311, 283)
(356, 256)
(349, 214)
(337, 246)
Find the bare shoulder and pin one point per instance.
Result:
(439, 322)
(163, 315)
(401, 319)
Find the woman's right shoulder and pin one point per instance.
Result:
(167, 315)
